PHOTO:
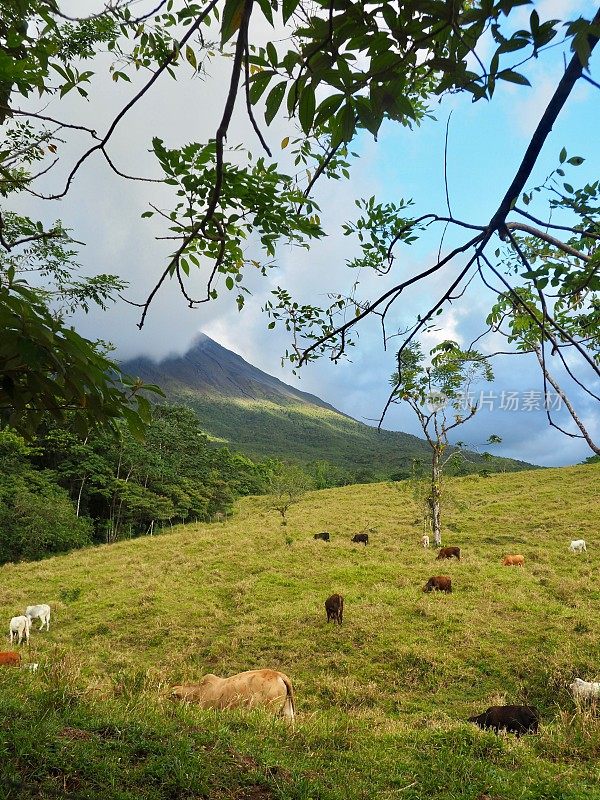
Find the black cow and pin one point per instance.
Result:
(514, 719)
(361, 537)
(334, 606)
(324, 536)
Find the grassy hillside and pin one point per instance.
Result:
(382, 701)
(303, 432)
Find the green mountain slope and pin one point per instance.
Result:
(382, 701)
(264, 417)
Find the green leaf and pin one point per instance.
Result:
(229, 282)
(306, 110)
(289, 6)
(258, 84)
(232, 19)
(563, 156)
(191, 56)
(274, 101)
(265, 7)
(272, 54)
(576, 161)
(513, 77)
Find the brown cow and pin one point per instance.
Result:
(448, 552)
(334, 606)
(513, 561)
(442, 583)
(10, 658)
(256, 687)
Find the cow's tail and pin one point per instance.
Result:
(289, 707)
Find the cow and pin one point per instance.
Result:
(9, 658)
(441, 583)
(19, 629)
(513, 561)
(448, 552)
(334, 607)
(323, 536)
(514, 719)
(41, 612)
(361, 537)
(578, 546)
(585, 690)
(256, 687)
(425, 540)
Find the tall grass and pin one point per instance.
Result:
(382, 700)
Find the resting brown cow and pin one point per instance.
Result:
(442, 583)
(256, 687)
(448, 552)
(324, 536)
(361, 537)
(10, 658)
(513, 561)
(334, 606)
(514, 719)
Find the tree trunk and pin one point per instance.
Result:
(83, 480)
(435, 499)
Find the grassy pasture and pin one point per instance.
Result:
(381, 701)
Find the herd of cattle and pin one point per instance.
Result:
(273, 690)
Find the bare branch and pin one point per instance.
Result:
(576, 231)
(394, 292)
(571, 251)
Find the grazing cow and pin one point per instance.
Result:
(448, 552)
(425, 540)
(256, 687)
(441, 583)
(514, 719)
(513, 561)
(361, 537)
(8, 658)
(323, 536)
(578, 546)
(19, 628)
(585, 690)
(334, 606)
(41, 612)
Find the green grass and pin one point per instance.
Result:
(382, 701)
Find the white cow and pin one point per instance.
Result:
(41, 612)
(585, 690)
(578, 546)
(19, 628)
(425, 540)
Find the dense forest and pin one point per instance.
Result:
(60, 491)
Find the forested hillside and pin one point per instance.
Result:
(266, 418)
(382, 701)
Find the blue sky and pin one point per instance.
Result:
(486, 143)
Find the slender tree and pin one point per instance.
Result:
(437, 390)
